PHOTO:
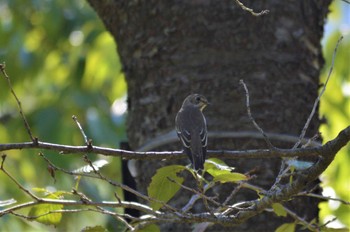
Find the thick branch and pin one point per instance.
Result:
(329, 150)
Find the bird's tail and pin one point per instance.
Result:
(198, 153)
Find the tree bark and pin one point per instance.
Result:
(170, 49)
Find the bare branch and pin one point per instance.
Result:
(251, 117)
(310, 226)
(174, 155)
(171, 137)
(98, 175)
(26, 124)
(81, 129)
(123, 204)
(263, 12)
(308, 194)
(301, 180)
(2, 168)
(303, 132)
(201, 194)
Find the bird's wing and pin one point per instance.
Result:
(185, 137)
(182, 133)
(203, 133)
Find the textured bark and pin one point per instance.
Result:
(170, 49)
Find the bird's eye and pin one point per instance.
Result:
(198, 99)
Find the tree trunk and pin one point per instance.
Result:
(170, 49)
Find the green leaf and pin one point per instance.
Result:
(279, 209)
(51, 195)
(215, 163)
(41, 190)
(150, 228)
(41, 212)
(94, 229)
(163, 189)
(286, 227)
(221, 171)
(230, 177)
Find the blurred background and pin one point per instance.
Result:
(62, 62)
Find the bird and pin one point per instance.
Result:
(191, 128)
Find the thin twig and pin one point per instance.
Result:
(81, 129)
(263, 12)
(98, 175)
(251, 117)
(26, 124)
(306, 126)
(15, 181)
(233, 193)
(84, 198)
(123, 204)
(310, 226)
(196, 197)
(201, 194)
(308, 194)
(327, 222)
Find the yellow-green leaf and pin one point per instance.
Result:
(229, 177)
(279, 209)
(162, 187)
(214, 163)
(42, 213)
(222, 172)
(286, 227)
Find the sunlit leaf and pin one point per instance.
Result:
(221, 171)
(286, 227)
(51, 194)
(161, 186)
(41, 190)
(226, 177)
(279, 209)
(215, 163)
(42, 213)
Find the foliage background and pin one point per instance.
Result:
(335, 107)
(62, 62)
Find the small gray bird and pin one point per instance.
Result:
(191, 128)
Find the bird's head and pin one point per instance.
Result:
(196, 100)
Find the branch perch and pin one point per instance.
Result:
(341, 140)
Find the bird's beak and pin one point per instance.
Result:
(206, 103)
